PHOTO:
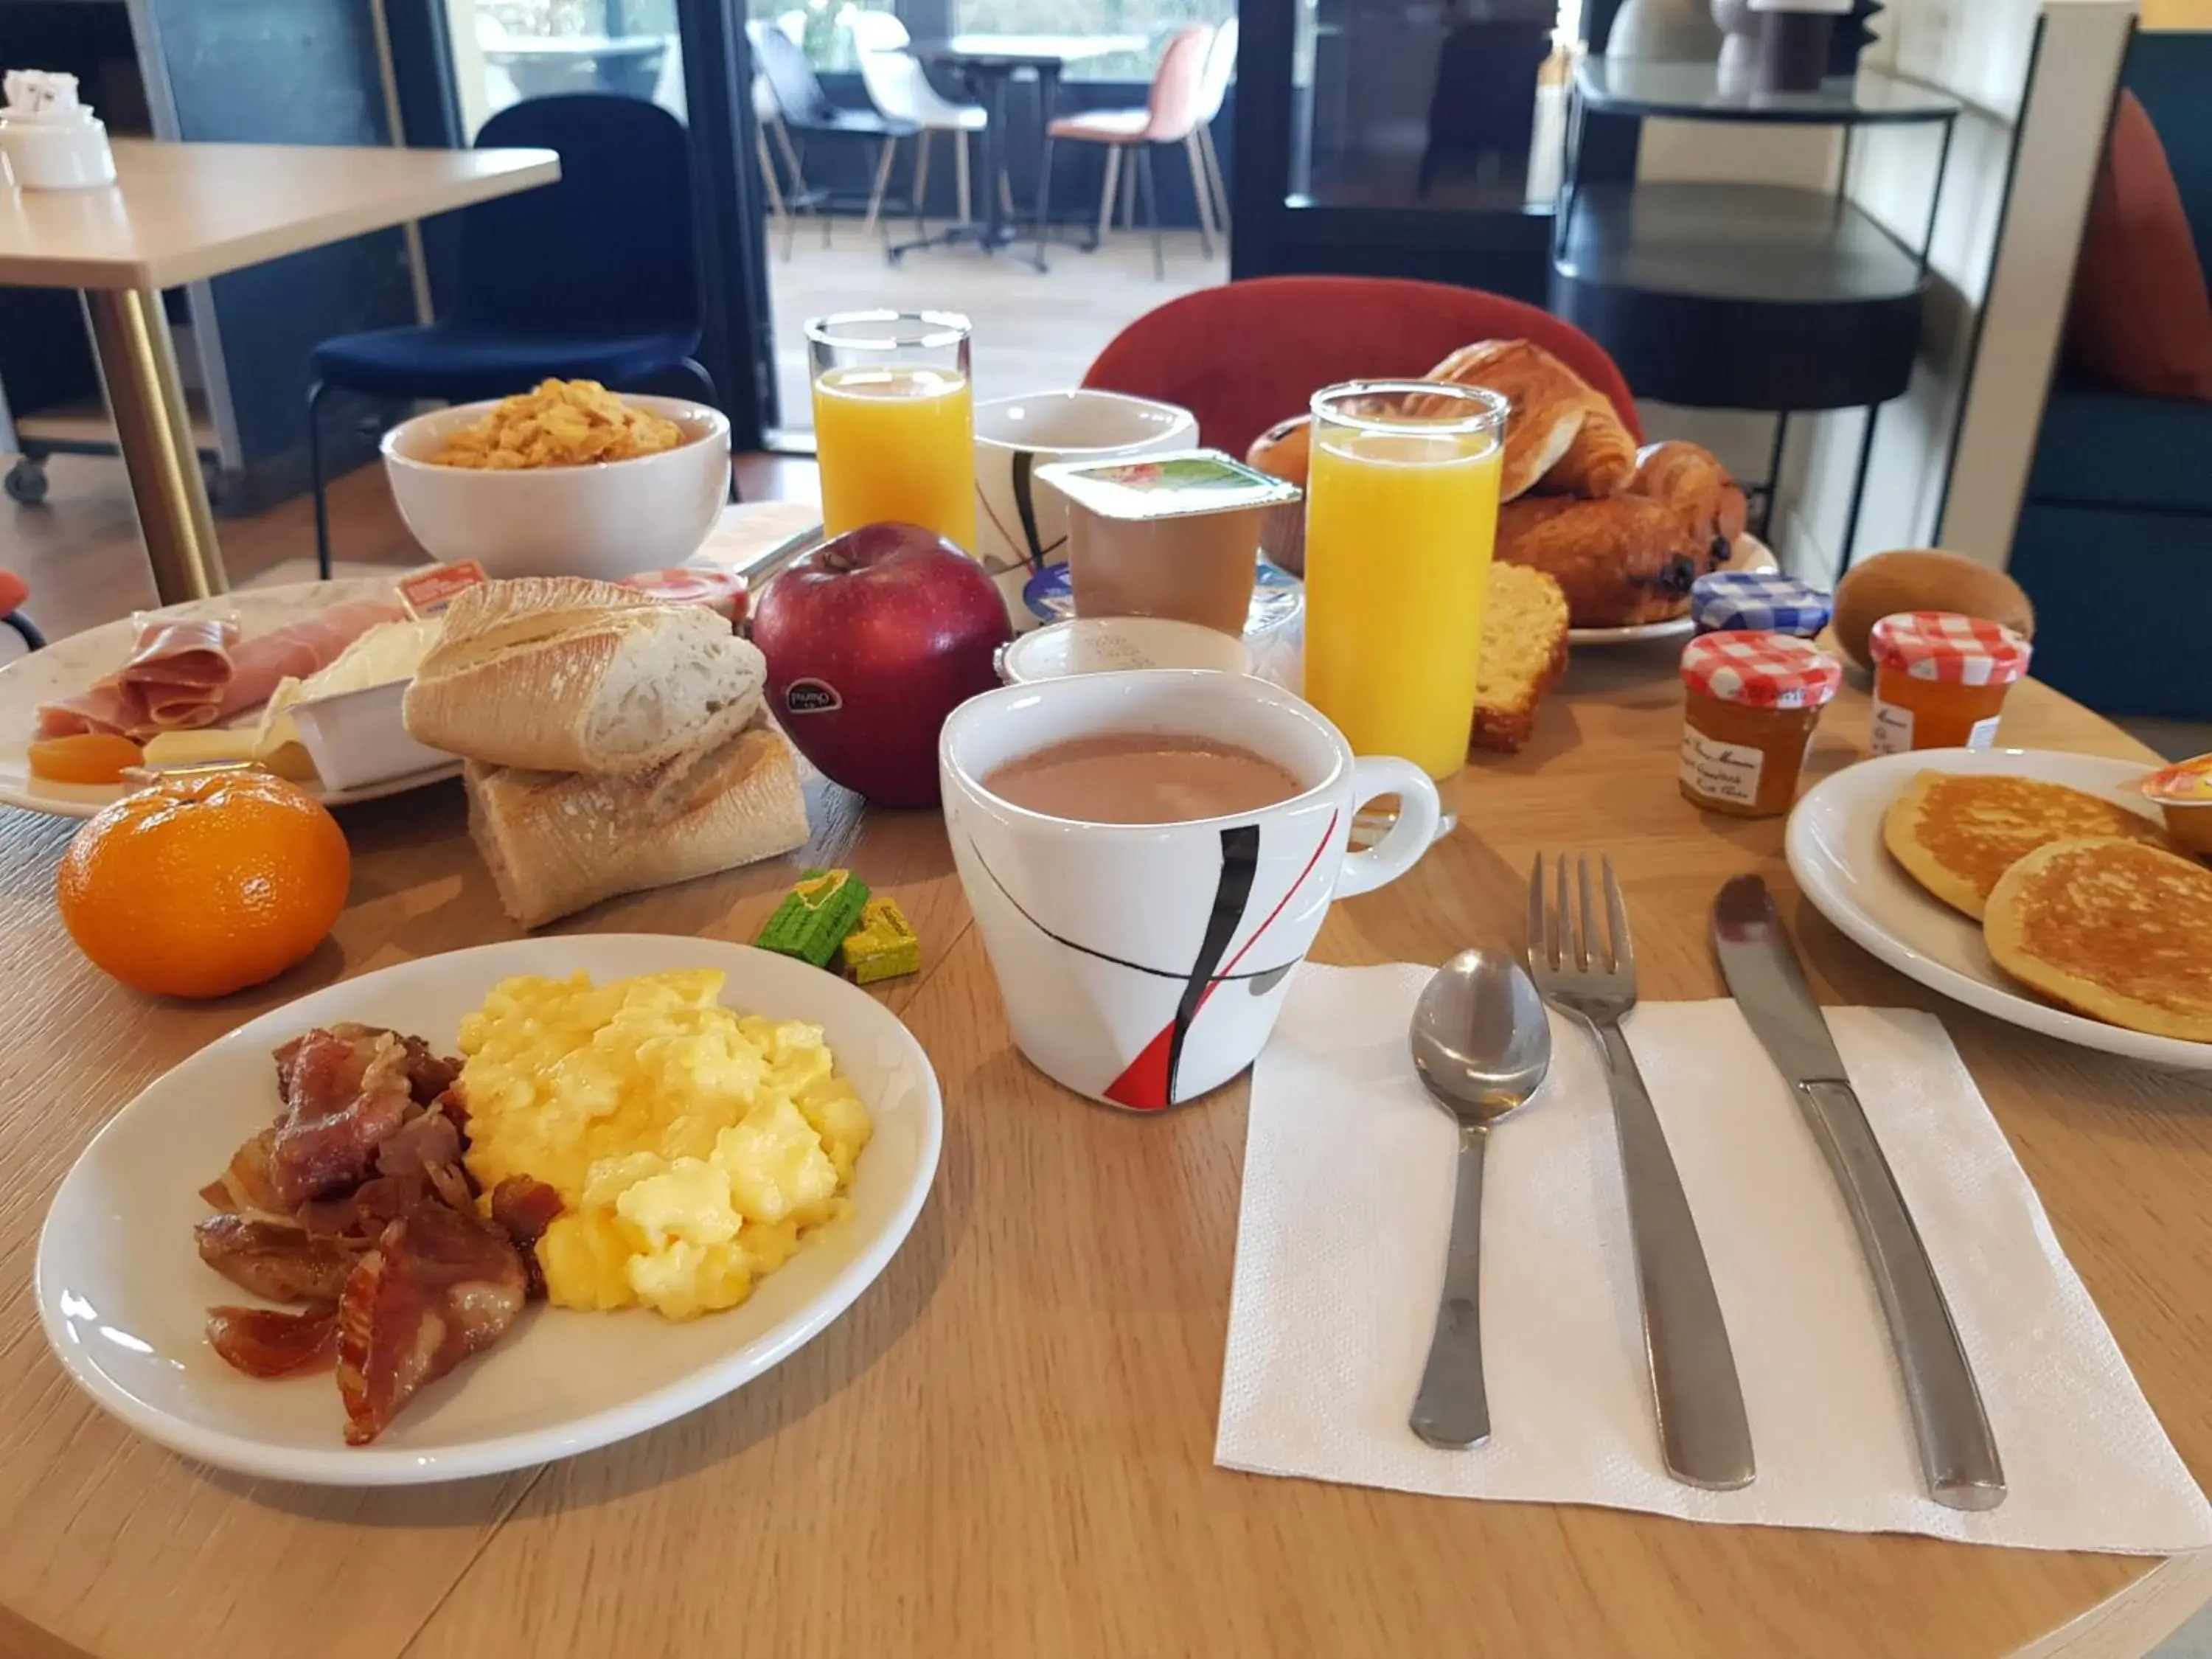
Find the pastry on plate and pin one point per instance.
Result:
(1602, 459)
(1621, 561)
(2120, 930)
(1958, 833)
(1525, 651)
(1543, 397)
(1690, 479)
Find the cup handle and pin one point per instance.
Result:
(1419, 811)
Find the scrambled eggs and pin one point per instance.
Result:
(692, 1146)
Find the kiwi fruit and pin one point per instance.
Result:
(1924, 579)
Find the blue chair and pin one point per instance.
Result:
(591, 278)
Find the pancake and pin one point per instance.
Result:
(1956, 832)
(2119, 930)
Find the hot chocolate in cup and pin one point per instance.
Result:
(1171, 536)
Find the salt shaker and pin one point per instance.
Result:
(50, 141)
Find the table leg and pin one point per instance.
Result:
(996, 228)
(138, 362)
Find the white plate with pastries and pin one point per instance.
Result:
(1836, 852)
(1747, 553)
(70, 666)
(123, 1293)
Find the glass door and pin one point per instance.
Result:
(1388, 138)
(689, 56)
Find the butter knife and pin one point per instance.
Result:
(1957, 1453)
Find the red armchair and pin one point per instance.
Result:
(1248, 354)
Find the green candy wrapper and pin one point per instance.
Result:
(815, 916)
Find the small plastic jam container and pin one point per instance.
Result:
(1758, 601)
(2183, 793)
(1940, 680)
(1751, 700)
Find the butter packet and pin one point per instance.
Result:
(883, 946)
(815, 916)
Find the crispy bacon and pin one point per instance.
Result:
(274, 1259)
(439, 1286)
(525, 1208)
(345, 1093)
(268, 1342)
(246, 1184)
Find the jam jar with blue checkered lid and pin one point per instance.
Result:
(1750, 703)
(1758, 602)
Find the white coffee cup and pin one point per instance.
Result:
(1143, 964)
(1021, 526)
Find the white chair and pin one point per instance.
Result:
(1212, 88)
(900, 92)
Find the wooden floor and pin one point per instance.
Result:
(1033, 332)
(80, 550)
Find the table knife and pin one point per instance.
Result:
(1957, 1453)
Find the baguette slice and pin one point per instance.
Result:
(559, 674)
(557, 842)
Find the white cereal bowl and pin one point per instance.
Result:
(610, 519)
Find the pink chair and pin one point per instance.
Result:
(1171, 116)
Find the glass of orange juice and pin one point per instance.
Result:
(894, 421)
(1402, 514)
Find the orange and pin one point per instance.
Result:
(88, 757)
(199, 886)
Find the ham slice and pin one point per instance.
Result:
(187, 674)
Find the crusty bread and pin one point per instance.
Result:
(1544, 403)
(557, 842)
(1525, 651)
(560, 674)
(2117, 929)
(1623, 560)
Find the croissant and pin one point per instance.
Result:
(1601, 459)
(1543, 400)
(1688, 478)
(1621, 561)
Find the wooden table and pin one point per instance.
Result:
(1005, 1447)
(180, 212)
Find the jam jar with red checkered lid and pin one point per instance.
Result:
(1750, 703)
(1940, 680)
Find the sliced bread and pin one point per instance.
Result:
(1524, 651)
(560, 674)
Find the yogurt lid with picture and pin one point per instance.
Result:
(1945, 647)
(1760, 671)
(1091, 645)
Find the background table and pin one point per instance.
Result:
(178, 213)
(1005, 1446)
(984, 66)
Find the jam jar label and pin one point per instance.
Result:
(1720, 771)
(1983, 734)
(1892, 729)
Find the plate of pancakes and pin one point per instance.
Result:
(2036, 886)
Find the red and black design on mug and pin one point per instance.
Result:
(1143, 964)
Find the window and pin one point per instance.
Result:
(1152, 19)
(505, 50)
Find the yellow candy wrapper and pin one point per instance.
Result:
(884, 946)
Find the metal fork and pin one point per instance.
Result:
(1703, 1435)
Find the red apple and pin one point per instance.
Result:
(871, 640)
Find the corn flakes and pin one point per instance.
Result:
(559, 423)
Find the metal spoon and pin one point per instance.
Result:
(1481, 1043)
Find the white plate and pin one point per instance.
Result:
(69, 665)
(1749, 554)
(1836, 853)
(124, 1295)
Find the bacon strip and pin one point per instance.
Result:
(439, 1287)
(268, 1342)
(344, 1095)
(274, 1259)
(525, 1208)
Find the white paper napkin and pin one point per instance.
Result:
(1339, 1258)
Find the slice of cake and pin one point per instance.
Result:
(1524, 651)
